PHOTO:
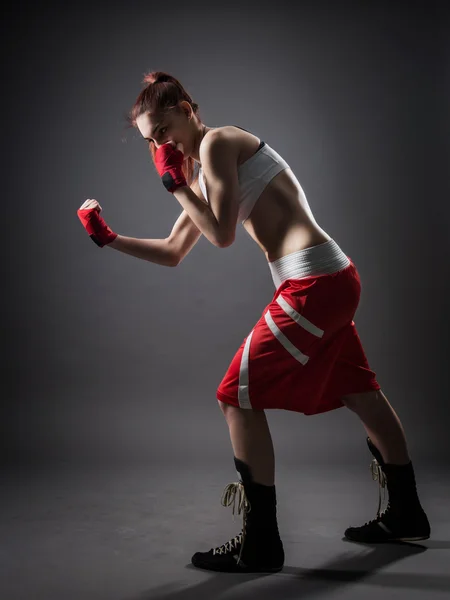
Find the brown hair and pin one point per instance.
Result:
(162, 94)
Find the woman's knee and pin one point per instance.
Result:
(222, 406)
(364, 400)
(230, 411)
(228, 408)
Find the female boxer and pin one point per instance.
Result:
(304, 353)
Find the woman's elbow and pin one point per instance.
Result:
(226, 238)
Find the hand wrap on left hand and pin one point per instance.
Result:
(169, 161)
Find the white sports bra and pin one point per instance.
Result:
(254, 174)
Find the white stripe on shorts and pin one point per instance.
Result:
(243, 387)
(302, 358)
(243, 393)
(300, 319)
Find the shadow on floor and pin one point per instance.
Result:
(295, 582)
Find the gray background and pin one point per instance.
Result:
(109, 359)
(114, 451)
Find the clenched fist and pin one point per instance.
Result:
(98, 230)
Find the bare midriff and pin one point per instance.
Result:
(281, 221)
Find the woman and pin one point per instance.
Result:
(304, 353)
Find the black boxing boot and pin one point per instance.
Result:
(403, 520)
(258, 547)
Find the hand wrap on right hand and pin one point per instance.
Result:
(96, 227)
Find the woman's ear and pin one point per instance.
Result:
(187, 109)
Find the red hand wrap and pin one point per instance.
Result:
(96, 227)
(168, 162)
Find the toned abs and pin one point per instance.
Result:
(281, 221)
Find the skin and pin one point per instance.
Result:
(281, 221)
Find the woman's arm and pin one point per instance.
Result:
(217, 219)
(170, 251)
(156, 251)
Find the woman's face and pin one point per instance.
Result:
(174, 126)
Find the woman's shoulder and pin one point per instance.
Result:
(224, 135)
(226, 132)
(231, 137)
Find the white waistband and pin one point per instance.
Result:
(322, 259)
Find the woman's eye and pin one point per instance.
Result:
(162, 131)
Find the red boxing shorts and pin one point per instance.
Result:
(304, 353)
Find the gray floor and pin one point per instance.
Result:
(129, 533)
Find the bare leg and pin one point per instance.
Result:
(381, 423)
(251, 441)
(404, 518)
(258, 546)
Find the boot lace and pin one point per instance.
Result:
(379, 475)
(243, 505)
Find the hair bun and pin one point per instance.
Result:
(156, 77)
